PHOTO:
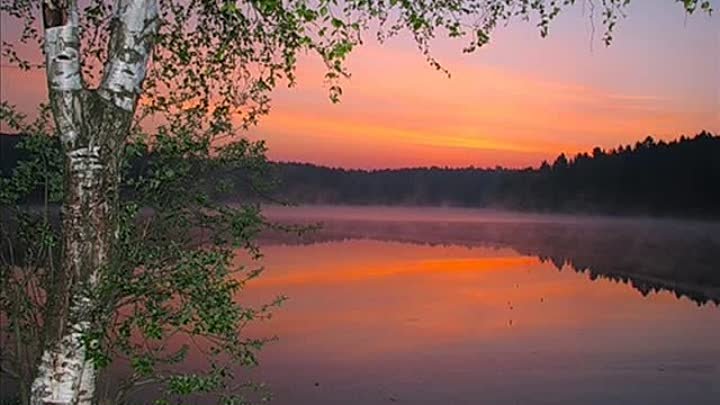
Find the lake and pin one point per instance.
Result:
(453, 306)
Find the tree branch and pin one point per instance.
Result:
(135, 24)
(62, 58)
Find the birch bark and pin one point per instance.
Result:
(93, 126)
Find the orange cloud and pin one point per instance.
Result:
(519, 101)
(481, 116)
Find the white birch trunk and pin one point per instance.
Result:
(65, 374)
(93, 127)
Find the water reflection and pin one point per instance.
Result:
(489, 309)
(371, 321)
(451, 312)
(650, 255)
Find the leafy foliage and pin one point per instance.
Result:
(223, 58)
(175, 273)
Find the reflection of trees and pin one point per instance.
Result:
(680, 257)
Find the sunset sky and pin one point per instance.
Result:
(515, 102)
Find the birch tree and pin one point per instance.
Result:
(177, 80)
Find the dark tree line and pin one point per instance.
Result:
(681, 177)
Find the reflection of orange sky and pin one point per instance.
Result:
(391, 297)
(368, 316)
(359, 271)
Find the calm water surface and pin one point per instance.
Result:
(397, 306)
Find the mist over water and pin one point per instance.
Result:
(371, 214)
(439, 306)
(649, 253)
(453, 214)
(460, 306)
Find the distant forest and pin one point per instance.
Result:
(677, 178)
(681, 177)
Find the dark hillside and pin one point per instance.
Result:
(681, 177)
(678, 178)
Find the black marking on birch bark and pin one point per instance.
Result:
(65, 375)
(65, 85)
(55, 13)
(134, 28)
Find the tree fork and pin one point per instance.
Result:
(93, 127)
